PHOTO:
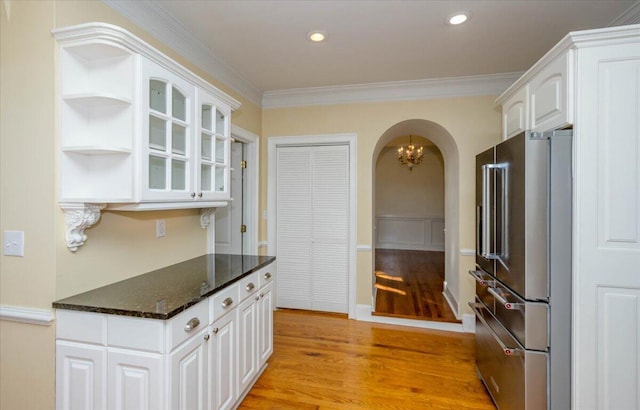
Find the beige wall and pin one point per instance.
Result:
(472, 122)
(121, 245)
(416, 193)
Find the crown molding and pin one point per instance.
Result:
(629, 16)
(492, 84)
(151, 17)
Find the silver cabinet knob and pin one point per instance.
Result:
(192, 324)
(250, 287)
(215, 330)
(267, 275)
(227, 302)
(200, 195)
(257, 297)
(261, 294)
(206, 336)
(193, 195)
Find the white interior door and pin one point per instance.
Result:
(312, 227)
(230, 218)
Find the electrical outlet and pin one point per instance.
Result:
(161, 229)
(13, 242)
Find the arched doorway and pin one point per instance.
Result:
(446, 145)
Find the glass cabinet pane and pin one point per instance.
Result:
(220, 123)
(179, 104)
(207, 117)
(157, 172)
(178, 175)
(158, 96)
(205, 147)
(205, 177)
(220, 179)
(157, 133)
(220, 151)
(178, 139)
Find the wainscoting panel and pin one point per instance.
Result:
(413, 233)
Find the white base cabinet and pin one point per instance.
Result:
(204, 358)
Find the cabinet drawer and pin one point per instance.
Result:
(248, 285)
(224, 301)
(135, 333)
(186, 324)
(81, 327)
(267, 274)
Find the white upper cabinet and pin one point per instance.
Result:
(540, 100)
(138, 131)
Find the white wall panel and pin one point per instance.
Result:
(398, 232)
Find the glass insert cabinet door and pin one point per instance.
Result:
(213, 148)
(168, 125)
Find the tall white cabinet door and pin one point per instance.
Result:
(312, 227)
(330, 229)
(247, 341)
(293, 227)
(80, 376)
(135, 380)
(223, 387)
(188, 374)
(265, 324)
(606, 307)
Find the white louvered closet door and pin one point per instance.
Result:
(312, 227)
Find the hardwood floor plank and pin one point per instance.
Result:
(329, 362)
(409, 284)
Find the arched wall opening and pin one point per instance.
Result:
(442, 139)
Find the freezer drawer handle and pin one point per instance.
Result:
(508, 351)
(484, 282)
(497, 293)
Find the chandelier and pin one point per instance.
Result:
(410, 155)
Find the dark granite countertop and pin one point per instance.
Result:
(163, 293)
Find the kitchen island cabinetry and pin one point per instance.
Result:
(171, 356)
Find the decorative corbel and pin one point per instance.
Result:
(205, 216)
(78, 218)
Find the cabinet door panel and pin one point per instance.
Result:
(549, 96)
(80, 376)
(514, 114)
(188, 374)
(135, 380)
(265, 324)
(223, 362)
(247, 342)
(168, 133)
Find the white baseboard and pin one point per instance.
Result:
(26, 315)
(468, 323)
(451, 300)
(363, 313)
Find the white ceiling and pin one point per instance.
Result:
(258, 46)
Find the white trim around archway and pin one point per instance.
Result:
(314, 140)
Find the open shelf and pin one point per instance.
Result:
(97, 99)
(97, 149)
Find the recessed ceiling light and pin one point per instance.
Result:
(459, 18)
(316, 36)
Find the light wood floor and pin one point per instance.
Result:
(409, 284)
(323, 361)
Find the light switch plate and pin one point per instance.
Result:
(13, 243)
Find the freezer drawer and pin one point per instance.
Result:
(527, 321)
(516, 378)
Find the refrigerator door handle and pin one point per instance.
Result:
(508, 351)
(485, 226)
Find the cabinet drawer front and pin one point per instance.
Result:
(81, 327)
(135, 333)
(248, 285)
(267, 274)
(186, 324)
(224, 301)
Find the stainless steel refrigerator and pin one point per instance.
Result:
(523, 271)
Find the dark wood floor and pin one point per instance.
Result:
(325, 361)
(409, 285)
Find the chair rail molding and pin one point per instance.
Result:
(26, 315)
